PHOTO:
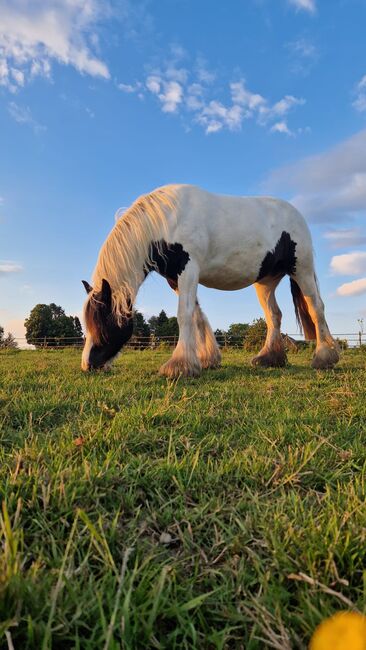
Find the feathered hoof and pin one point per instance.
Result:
(214, 361)
(270, 359)
(175, 368)
(325, 359)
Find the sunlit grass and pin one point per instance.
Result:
(226, 511)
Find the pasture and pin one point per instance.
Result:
(226, 511)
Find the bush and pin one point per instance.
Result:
(255, 335)
(7, 342)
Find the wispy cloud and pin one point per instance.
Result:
(360, 102)
(344, 238)
(23, 115)
(7, 267)
(303, 55)
(329, 187)
(34, 34)
(349, 264)
(194, 94)
(354, 288)
(306, 5)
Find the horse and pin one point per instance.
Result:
(190, 237)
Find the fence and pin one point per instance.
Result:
(354, 339)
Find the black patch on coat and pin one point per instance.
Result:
(169, 260)
(281, 260)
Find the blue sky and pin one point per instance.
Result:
(102, 101)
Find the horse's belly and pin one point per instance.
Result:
(225, 284)
(229, 274)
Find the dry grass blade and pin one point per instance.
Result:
(273, 629)
(327, 590)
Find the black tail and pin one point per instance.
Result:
(303, 317)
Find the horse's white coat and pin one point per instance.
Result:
(227, 239)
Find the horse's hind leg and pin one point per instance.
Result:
(273, 352)
(207, 348)
(184, 360)
(326, 353)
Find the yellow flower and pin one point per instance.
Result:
(343, 631)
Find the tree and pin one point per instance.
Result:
(236, 333)
(51, 322)
(140, 326)
(162, 325)
(220, 336)
(255, 334)
(7, 341)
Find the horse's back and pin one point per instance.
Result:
(221, 217)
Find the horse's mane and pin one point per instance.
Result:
(125, 253)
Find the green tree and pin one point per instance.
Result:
(7, 341)
(162, 325)
(220, 336)
(255, 335)
(140, 326)
(51, 322)
(236, 333)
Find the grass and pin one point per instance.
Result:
(221, 512)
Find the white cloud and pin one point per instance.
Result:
(355, 288)
(23, 115)
(7, 267)
(329, 187)
(349, 264)
(360, 102)
(215, 116)
(171, 96)
(127, 88)
(307, 5)
(241, 95)
(204, 75)
(153, 83)
(281, 108)
(345, 237)
(281, 127)
(34, 33)
(179, 90)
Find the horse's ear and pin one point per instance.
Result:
(106, 293)
(87, 286)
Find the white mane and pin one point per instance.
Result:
(125, 253)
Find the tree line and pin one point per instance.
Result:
(48, 325)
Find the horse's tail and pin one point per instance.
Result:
(303, 318)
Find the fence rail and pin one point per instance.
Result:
(353, 339)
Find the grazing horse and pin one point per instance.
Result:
(191, 237)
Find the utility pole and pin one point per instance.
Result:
(360, 333)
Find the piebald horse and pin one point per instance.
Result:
(191, 237)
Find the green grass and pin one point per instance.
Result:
(208, 513)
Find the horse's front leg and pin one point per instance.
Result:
(184, 360)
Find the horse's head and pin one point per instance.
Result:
(105, 335)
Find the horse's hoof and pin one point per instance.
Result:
(173, 369)
(211, 362)
(325, 359)
(270, 360)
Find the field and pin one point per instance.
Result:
(221, 512)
